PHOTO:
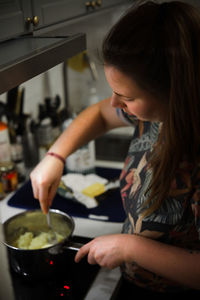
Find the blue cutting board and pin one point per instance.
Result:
(110, 204)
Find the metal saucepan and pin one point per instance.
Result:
(44, 262)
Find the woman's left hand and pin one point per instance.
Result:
(107, 251)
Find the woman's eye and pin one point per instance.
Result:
(129, 99)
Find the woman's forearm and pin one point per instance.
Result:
(91, 123)
(177, 264)
(79, 132)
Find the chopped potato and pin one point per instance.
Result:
(24, 240)
(39, 241)
(28, 241)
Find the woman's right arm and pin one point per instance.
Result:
(89, 124)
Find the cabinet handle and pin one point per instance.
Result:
(93, 4)
(99, 2)
(87, 4)
(34, 21)
(90, 4)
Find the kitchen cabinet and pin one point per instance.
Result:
(12, 18)
(35, 36)
(18, 17)
(51, 11)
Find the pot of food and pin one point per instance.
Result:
(27, 236)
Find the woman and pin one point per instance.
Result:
(152, 65)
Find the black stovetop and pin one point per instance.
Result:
(71, 282)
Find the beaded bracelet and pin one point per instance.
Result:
(57, 156)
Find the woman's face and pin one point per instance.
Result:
(128, 96)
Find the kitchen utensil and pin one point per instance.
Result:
(44, 262)
(2, 109)
(11, 100)
(52, 239)
(30, 149)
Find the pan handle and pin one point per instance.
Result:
(72, 246)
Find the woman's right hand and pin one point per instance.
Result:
(45, 179)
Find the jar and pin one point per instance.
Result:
(18, 159)
(83, 159)
(9, 178)
(44, 137)
(5, 152)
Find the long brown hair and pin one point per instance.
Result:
(158, 46)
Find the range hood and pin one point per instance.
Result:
(24, 57)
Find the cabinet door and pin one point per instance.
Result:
(50, 12)
(53, 11)
(106, 3)
(13, 18)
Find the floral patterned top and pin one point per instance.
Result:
(176, 222)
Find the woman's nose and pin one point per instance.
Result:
(116, 102)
